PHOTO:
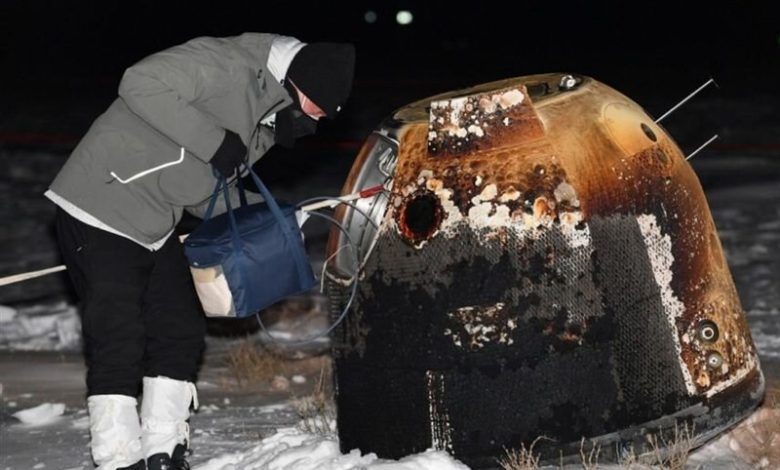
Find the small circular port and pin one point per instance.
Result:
(707, 331)
(714, 360)
(568, 82)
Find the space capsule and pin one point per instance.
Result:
(543, 263)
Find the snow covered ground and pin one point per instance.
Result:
(43, 423)
(253, 428)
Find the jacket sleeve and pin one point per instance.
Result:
(220, 208)
(165, 88)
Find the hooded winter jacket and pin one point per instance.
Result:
(146, 159)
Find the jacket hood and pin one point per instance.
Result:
(283, 50)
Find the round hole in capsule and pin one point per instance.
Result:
(708, 331)
(714, 360)
(421, 216)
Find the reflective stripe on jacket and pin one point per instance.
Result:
(145, 159)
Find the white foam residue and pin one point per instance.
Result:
(565, 192)
(476, 130)
(510, 98)
(575, 237)
(462, 114)
(486, 105)
(488, 194)
(487, 215)
(659, 250)
(510, 194)
(489, 210)
(457, 108)
(452, 212)
(482, 324)
(423, 176)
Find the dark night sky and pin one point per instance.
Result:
(76, 51)
(97, 40)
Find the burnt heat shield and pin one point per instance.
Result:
(546, 265)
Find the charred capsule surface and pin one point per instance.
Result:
(544, 264)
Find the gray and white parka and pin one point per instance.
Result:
(145, 160)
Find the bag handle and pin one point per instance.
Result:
(214, 197)
(241, 192)
(222, 186)
(234, 235)
(299, 256)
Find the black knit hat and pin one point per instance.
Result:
(323, 72)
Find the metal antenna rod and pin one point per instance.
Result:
(701, 147)
(711, 80)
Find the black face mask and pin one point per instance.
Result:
(292, 123)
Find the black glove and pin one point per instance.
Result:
(230, 154)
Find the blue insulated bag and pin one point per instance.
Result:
(247, 258)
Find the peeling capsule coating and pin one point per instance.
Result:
(547, 265)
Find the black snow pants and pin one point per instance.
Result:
(139, 311)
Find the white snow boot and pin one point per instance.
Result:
(115, 432)
(165, 410)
